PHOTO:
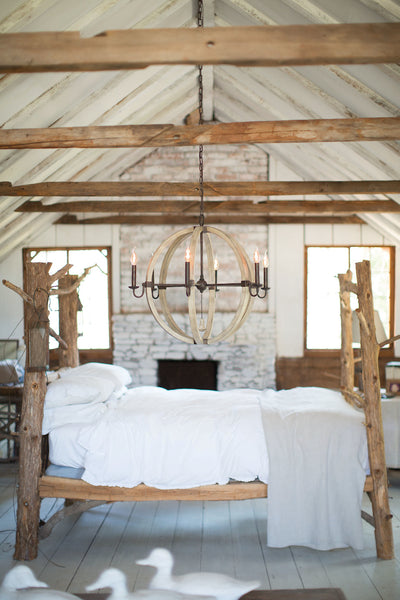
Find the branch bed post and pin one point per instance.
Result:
(68, 322)
(30, 463)
(373, 415)
(346, 357)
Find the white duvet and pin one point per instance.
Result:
(307, 444)
(173, 439)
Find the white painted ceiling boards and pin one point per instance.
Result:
(167, 94)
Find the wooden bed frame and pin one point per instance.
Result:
(33, 485)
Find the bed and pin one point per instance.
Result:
(149, 438)
(308, 476)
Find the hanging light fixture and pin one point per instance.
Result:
(201, 269)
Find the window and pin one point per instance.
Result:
(94, 292)
(322, 289)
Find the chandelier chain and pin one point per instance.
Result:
(200, 23)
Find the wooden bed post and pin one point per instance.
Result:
(30, 435)
(373, 415)
(68, 322)
(38, 282)
(346, 357)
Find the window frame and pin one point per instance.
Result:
(389, 351)
(91, 354)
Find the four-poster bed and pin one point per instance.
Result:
(271, 46)
(89, 495)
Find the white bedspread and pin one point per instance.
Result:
(317, 468)
(176, 439)
(308, 444)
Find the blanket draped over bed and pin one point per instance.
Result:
(307, 444)
(318, 458)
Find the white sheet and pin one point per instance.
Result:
(317, 468)
(391, 430)
(176, 439)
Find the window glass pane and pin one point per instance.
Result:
(93, 294)
(93, 320)
(323, 309)
(323, 314)
(379, 258)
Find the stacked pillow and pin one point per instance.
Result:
(79, 396)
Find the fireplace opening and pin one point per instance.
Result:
(194, 374)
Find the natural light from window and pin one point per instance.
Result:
(93, 319)
(323, 310)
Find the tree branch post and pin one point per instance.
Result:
(68, 322)
(30, 463)
(346, 357)
(373, 414)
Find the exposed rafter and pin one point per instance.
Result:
(182, 219)
(211, 188)
(154, 136)
(358, 43)
(224, 207)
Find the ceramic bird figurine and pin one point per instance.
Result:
(21, 584)
(221, 586)
(116, 580)
(20, 577)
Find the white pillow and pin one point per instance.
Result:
(78, 389)
(118, 375)
(74, 413)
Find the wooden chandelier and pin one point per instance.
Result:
(199, 245)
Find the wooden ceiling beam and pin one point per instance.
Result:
(267, 46)
(76, 189)
(225, 207)
(180, 219)
(252, 132)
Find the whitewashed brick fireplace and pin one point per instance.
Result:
(247, 360)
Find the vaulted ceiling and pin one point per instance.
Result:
(162, 94)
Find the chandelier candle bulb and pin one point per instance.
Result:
(256, 259)
(216, 266)
(133, 263)
(266, 265)
(187, 270)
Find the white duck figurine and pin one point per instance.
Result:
(116, 580)
(20, 577)
(221, 586)
(21, 584)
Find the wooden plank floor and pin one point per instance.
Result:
(229, 537)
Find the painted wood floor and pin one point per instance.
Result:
(228, 537)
